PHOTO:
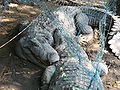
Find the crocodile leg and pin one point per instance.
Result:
(47, 76)
(82, 27)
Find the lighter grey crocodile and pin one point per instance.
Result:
(48, 38)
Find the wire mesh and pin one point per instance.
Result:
(102, 28)
(72, 44)
(74, 49)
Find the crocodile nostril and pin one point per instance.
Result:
(53, 57)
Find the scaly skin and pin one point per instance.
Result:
(74, 70)
(95, 15)
(112, 26)
(47, 40)
(39, 42)
(70, 74)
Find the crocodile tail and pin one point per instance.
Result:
(114, 36)
(112, 25)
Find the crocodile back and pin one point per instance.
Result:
(70, 75)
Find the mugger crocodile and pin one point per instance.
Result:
(51, 40)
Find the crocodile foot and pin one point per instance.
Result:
(100, 67)
(47, 75)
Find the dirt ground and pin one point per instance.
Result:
(16, 74)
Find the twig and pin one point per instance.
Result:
(14, 37)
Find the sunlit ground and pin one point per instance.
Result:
(9, 87)
(15, 14)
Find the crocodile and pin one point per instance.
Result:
(48, 40)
